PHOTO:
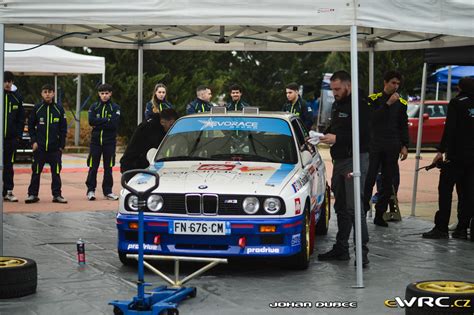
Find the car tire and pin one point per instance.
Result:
(323, 224)
(18, 277)
(301, 260)
(126, 261)
(454, 290)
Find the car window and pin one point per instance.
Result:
(436, 110)
(229, 139)
(298, 133)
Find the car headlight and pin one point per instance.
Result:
(251, 205)
(272, 205)
(155, 202)
(132, 202)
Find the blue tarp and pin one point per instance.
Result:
(458, 72)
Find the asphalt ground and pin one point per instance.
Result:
(48, 232)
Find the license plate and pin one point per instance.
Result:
(199, 227)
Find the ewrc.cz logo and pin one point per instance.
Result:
(427, 301)
(262, 250)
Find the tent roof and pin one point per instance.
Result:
(457, 72)
(49, 60)
(302, 25)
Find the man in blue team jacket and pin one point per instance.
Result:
(104, 117)
(48, 128)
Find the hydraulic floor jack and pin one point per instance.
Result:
(161, 300)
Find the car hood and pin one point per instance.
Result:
(219, 177)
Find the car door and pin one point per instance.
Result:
(433, 125)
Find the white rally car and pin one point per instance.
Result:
(231, 184)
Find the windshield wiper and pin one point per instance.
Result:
(242, 157)
(184, 158)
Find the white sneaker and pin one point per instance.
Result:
(91, 195)
(111, 196)
(10, 197)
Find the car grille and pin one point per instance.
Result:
(211, 204)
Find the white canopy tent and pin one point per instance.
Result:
(276, 25)
(48, 60)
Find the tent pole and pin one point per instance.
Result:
(418, 140)
(140, 80)
(103, 78)
(437, 91)
(448, 92)
(2, 106)
(371, 70)
(77, 131)
(356, 156)
(55, 88)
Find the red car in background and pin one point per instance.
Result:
(434, 119)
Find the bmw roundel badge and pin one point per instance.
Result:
(202, 186)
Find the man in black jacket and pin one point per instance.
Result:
(339, 135)
(457, 144)
(104, 117)
(389, 141)
(148, 135)
(202, 102)
(297, 105)
(14, 116)
(47, 126)
(236, 103)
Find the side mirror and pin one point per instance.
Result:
(150, 155)
(306, 157)
(426, 116)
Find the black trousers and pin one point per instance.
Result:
(387, 161)
(107, 152)
(9, 149)
(461, 175)
(53, 158)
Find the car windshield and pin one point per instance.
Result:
(255, 139)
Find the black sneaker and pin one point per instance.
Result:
(31, 199)
(380, 222)
(334, 254)
(435, 233)
(462, 234)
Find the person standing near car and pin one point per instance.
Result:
(296, 105)
(47, 126)
(457, 145)
(388, 142)
(148, 135)
(202, 101)
(104, 118)
(14, 117)
(236, 103)
(339, 135)
(158, 101)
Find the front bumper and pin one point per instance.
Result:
(245, 238)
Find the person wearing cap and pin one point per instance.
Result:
(104, 117)
(47, 126)
(13, 119)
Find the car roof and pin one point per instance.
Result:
(260, 114)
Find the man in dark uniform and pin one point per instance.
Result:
(296, 105)
(148, 135)
(104, 117)
(48, 128)
(202, 101)
(339, 135)
(14, 116)
(236, 103)
(457, 144)
(389, 141)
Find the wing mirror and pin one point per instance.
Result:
(306, 157)
(150, 155)
(426, 116)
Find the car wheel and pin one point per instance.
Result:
(456, 292)
(301, 260)
(126, 261)
(323, 224)
(18, 277)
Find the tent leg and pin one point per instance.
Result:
(418, 140)
(448, 92)
(371, 70)
(140, 83)
(55, 88)
(356, 156)
(2, 106)
(77, 131)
